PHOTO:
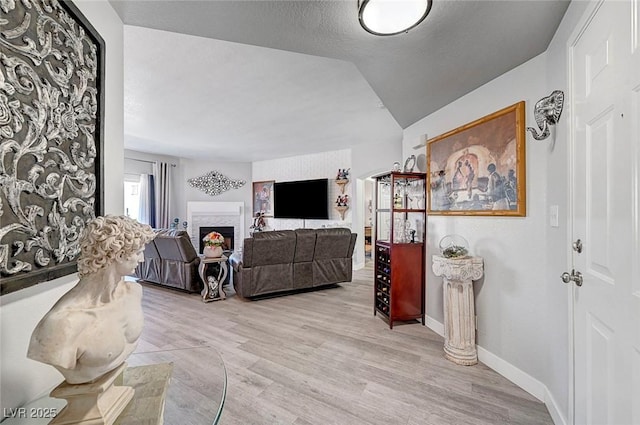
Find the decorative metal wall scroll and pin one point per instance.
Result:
(547, 112)
(51, 110)
(214, 183)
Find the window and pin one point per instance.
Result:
(132, 195)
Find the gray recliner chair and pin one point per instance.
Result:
(171, 260)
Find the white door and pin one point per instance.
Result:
(605, 100)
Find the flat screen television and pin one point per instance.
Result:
(306, 199)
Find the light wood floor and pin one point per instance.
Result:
(318, 358)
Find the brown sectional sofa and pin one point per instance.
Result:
(171, 260)
(289, 260)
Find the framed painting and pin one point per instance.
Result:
(263, 198)
(479, 168)
(51, 135)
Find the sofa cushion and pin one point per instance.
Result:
(277, 247)
(175, 245)
(329, 271)
(150, 250)
(302, 275)
(271, 278)
(273, 234)
(332, 243)
(305, 245)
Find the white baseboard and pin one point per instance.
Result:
(434, 325)
(513, 374)
(556, 414)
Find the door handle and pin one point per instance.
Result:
(575, 277)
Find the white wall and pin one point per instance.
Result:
(364, 160)
(188, 169)
(323, 165)
(367, 160)
(511, 297)
(24, 379)
(142, 163)
(522, 307)
(368, 197)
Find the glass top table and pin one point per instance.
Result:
(196, 392)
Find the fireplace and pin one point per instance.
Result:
(227, 231)
(216, 216)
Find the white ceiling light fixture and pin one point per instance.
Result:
(391, 17)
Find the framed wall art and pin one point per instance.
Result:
(479, 168)
(51, 132)
(263, 198)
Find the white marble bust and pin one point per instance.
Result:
(95, 326)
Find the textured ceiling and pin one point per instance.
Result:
(319, 80)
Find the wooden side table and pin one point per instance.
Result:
(212, 290)
(458, 275)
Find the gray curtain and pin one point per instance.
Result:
(162, 181)
(147, 209)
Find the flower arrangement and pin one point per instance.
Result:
(213, 239)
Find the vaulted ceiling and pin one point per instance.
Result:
(250, 80)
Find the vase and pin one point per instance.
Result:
(454, 246)
(212, 251)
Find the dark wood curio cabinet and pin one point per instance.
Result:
(400, 249)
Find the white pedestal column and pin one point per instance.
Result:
(458, 275)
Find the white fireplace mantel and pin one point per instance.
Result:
(216, 214)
